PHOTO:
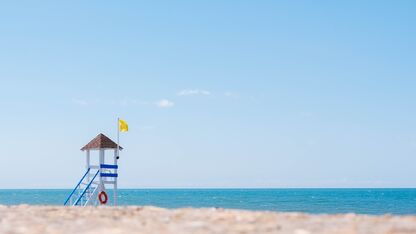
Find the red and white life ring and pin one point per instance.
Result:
(102, 196)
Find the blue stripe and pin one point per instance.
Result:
(109, 175)
(109, 166)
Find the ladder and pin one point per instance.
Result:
(85, 192)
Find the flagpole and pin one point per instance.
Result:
(118, 136)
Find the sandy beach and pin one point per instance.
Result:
(133, 219)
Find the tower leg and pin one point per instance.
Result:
(101, 161)
(115, 192)
(115, 179)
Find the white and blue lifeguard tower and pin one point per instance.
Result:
(99, 176)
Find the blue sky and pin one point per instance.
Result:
(217, 93)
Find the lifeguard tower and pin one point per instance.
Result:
(92, 188)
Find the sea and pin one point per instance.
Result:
(314, 201)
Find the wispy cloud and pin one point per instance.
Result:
(231, 94)
(193, 92)
(80, 102)
(164, 103)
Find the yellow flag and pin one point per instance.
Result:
(123, 126)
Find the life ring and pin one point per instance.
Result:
(102, 196)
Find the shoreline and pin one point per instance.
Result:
(148, 219)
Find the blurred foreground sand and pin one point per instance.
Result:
(74, 220)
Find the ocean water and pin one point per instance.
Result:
(330, 201)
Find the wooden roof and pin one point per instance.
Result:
(101, 142)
